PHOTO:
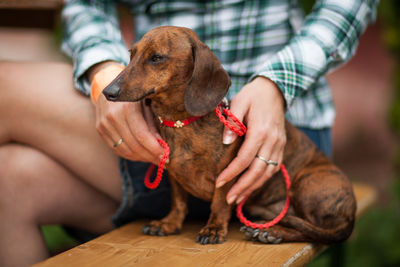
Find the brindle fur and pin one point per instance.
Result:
(181, 76)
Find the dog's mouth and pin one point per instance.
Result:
(152, 91)
(146, 95)
(129, 97)
(147, 101)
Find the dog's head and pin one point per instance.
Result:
(168, 59)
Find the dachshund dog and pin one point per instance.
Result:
(180, 77)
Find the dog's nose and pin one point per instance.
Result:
(112, 93)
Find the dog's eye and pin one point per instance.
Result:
(156, 58)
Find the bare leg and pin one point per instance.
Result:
(36, 190)
(54, 167)
(40, 108)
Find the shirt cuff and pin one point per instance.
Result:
(93, 55)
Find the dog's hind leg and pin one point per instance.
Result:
(295, 229)
(172, 223)
(274, 235)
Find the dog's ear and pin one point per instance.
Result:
(209, 82)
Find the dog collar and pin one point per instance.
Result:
(181, 123)
(178, 123)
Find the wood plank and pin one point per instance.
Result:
(127, 246)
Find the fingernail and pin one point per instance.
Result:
(231, 199)
(229, 137)
(240, 199)
(220, 184)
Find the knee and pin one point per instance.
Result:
(17, 165)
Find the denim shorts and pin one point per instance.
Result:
(139, 202)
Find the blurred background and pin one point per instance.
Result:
(365, 135)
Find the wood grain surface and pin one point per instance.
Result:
(127, 246)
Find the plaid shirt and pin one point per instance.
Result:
(251, 38)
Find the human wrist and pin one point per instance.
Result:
(273, 88)
(97, 67)
(100, 75)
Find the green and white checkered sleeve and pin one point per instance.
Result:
(91, 35)
(328, 38)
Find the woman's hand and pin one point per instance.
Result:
(127, 127)
(133, 123)
(261, 106)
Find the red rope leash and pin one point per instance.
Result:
(277, 219)
(240, 130)
(156, 182)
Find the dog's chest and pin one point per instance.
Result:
(197, 156)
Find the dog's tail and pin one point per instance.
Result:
(325, 235)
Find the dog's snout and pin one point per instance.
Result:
(112, 93)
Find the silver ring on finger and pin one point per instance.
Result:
(118, 143)
(267, 161)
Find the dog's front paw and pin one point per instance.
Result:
(263, 236)
(212, 234)
(160, 228)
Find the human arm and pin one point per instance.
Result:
(328, 38)
(93, 39)
(91, 36)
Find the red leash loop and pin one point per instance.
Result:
(156, 182)
(278, 218)
(240, 130)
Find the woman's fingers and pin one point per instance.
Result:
(143, 129)
(262, 108)
(258, 173)
(125, 121)
(245, 156)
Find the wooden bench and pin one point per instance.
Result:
(127, 246)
